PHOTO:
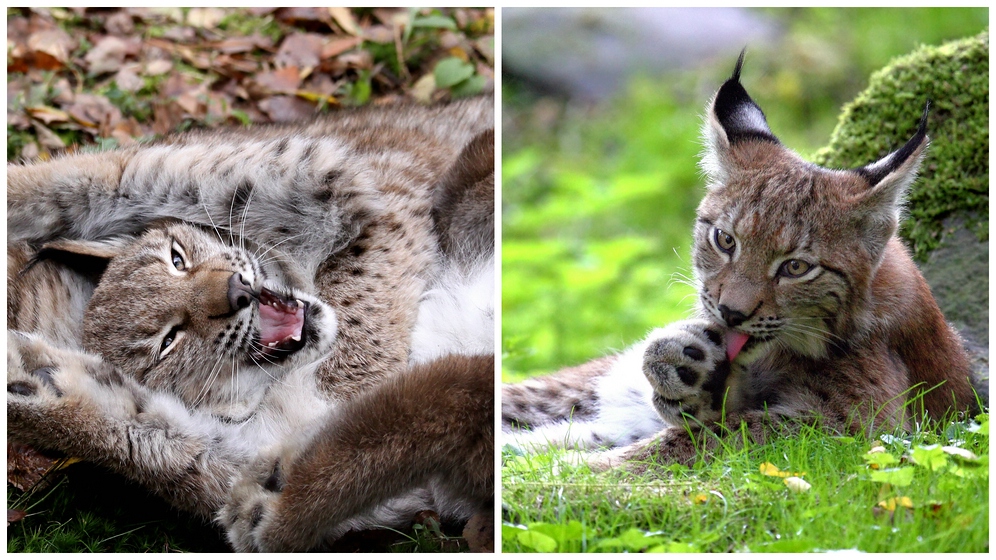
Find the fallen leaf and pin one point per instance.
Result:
(51, 48)
(46, 138)
(119, 23)
(335, 47)
(700, 499)
(423, 88)
(797, 484)
(107, 55)
(960, 453)
(48, 115)
(282, 108)
(767, 469)
(303, 50)
(158, 67)
(14, 515)
(94, 111)
(379, 34)
(205, 18)
(303, 15)
(480, 533)
(892, 503)
(27, 467)
(127, 80)
(282, 80)
(237, 44)
(344, 18)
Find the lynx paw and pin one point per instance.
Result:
(251, 506)
(34, 371)
(687, 367)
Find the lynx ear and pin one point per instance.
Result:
(889, 179)
(88, 258)
(105, 249)
(732, 118)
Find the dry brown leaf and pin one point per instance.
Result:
(237, 44)
(51, 48)
(379, 34)
(180, 34)
(227, 65)
(205, 18)
(303, 15)
(127, 80)
(344, 18)
(119, 23)
(157, 67)
(303, 50)
(166, 117)
(26, 466)
(480, 533)
(46, 138)
(335, 47)
(282, 108)
(14, 515)
(48, 115)
(108, 54)
(94, 112)
(283, 80)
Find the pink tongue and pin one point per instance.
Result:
(277, 324)
(734, 343)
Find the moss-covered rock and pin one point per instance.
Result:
(947, 223)
(955, 175)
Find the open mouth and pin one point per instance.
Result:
(282, 322)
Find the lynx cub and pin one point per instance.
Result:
(248, 323)
(810, 306)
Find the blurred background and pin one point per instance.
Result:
(600, 123)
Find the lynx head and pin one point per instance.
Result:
(785, 251)
(184, 312)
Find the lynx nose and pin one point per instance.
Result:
(240, 294)
(732, 317)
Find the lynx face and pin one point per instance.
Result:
(208, 321)
(785, 251)
(778, 251)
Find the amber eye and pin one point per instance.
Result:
(794, 268)
(724, 241)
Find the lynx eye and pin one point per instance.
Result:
(794, 268)
(170, 341)
(724, 241)
(177, 257)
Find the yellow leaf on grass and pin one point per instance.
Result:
(892, 503)
(767, 469)
(700, 499)
(797, 484)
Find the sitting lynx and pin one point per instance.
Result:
(250, 323)
(810, 307)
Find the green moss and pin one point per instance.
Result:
(955, 176)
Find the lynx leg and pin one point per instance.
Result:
(77, 404)
(349, 475)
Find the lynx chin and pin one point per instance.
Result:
(287, 330)
(809, 307)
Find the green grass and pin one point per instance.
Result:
(729, 504)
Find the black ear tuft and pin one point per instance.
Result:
(875, 172)
(737, 113)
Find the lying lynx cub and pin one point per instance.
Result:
(252, 324)
(810, 307)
